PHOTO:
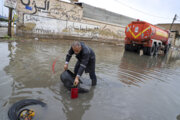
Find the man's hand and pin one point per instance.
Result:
(76, 81)
(65, 66)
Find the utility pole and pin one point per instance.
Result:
(2, 8)
(11, 4)
(10, 21)
(173, 22)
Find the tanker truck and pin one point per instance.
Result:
(145, 36)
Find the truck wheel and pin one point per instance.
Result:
(151, 50)
(145, 50)
(135, 49)
(156, 50)
(127, 47)
(166, 49)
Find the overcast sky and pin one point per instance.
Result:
(153, 11)
(3, 10)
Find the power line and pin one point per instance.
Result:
(141, 10)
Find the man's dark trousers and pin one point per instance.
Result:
(90, 69)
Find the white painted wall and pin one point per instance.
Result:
(177, 43)
(54, 17)
(45, 25)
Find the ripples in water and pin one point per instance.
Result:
(130, 87)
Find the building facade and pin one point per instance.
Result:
(56, 19)
(175, 32)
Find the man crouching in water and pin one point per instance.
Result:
(86, 61)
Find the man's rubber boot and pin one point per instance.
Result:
(94, 82)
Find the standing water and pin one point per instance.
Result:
(129, 86)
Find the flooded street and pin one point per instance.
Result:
(129, 86)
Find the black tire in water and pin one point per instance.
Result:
(67, 77)
(16, 107)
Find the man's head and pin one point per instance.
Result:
(76, 46)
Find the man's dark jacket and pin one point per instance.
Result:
(86, 59)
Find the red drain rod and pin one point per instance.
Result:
(54, 63)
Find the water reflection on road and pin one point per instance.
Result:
(130, 87)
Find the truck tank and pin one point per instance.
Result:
(140, 34)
